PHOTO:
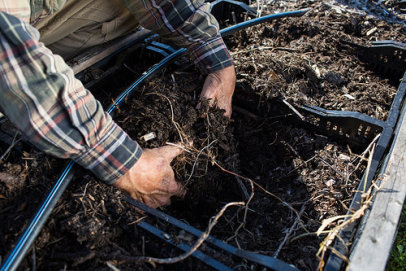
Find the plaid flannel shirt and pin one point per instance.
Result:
(40, 95)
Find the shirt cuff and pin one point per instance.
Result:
(212, 56)
(112, 156)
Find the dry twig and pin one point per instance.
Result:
(177, 126)
(245, 214)
(264, 190)
(294, 110)
(344, 221)
(13, 143)
(243, 188)
(290, 231)
(197, 157)
(213, 221)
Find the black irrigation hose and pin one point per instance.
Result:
(46, 208)
(35, 226)
(32, 231)
(234, 28)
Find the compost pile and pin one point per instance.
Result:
(290, 177)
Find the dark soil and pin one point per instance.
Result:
(302, 61)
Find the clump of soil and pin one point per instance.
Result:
(165, 109)
(291, 177)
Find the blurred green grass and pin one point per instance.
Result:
(397, 260)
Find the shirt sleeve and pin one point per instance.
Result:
(187, 23)
(18, 8)
(54, 111)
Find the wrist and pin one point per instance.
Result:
(212, 56)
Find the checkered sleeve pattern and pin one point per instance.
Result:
(187, 23)
(40, 95)
(19, 8)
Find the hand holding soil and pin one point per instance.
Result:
(219, 88)
(151, 180)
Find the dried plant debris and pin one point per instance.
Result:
(290, 177)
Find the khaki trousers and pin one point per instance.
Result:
(81, 24)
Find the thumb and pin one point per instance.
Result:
(177, 189)
(210, 86)
(170, 151)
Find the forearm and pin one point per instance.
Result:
(40, 95)
(187, 24)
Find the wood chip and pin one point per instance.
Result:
(330, 182)
(148, 136)
(344, 157)
(112, 267)
(349, 96)
(371, 31)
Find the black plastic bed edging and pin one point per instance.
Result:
(185, 247)
(359, 129)
(36, 224)
(334, 262)
(267, 261)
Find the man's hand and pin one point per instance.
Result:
(151, 180)
(219, 88)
